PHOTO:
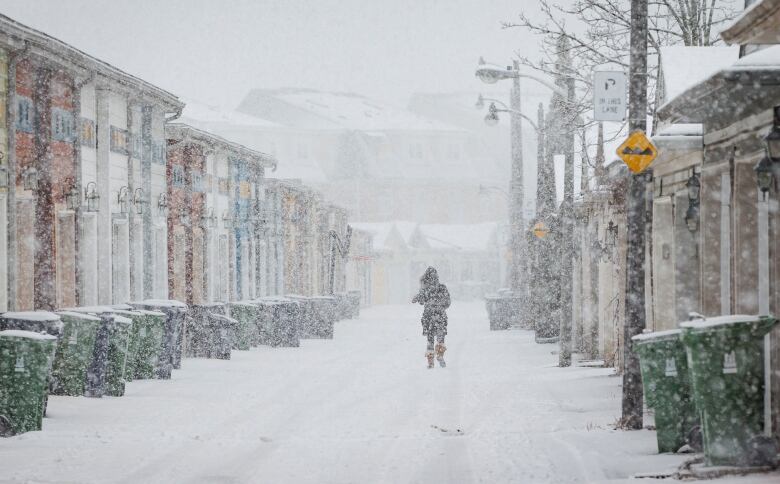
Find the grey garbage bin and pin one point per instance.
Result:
(173, 334)
(324, 310)
(353, 298)
(209, 331)
(286, 322)
(305, 314)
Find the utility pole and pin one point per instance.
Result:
(567, 119)
(516, 280)
(636, 218)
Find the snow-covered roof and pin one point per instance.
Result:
(18, 333)
(698, 99)
(760, 59)
(684, 66)
(38, 42)
(382, 232)
(755, 25)
(208, 117)
(467, 237)
(312, 109)
(682, 129)
(721, 321)
(31, 316)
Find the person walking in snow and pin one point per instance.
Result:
(435, 298)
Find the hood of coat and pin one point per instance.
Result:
(431, 277)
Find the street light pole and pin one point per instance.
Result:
(636, 221)
(516, 187)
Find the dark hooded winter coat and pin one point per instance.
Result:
(436, 299)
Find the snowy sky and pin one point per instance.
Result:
(215, 51)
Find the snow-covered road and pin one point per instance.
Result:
(360, 408)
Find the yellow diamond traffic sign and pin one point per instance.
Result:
(637, 152)
(541, 230)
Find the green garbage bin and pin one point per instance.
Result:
(74, 353)
(149, 336)
(25, 364)
(667, 385)
(119, 335)
(247, 315)
(139, 319)
(726, 358)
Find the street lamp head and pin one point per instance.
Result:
(772, 141)
(491, 118)
(764, 176)
(491, 74)
(694, 188)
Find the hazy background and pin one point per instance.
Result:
(215, 51)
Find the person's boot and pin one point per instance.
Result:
(440, 349)
(429, 356)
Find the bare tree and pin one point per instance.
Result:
(598, 33)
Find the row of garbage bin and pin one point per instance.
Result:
(706, 384)
(94, 351)
(505, 310)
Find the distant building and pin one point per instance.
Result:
(380, 162)
(467, 257)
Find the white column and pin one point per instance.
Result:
(104, 229)
(725, 244)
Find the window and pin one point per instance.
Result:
(62, 125)
(119, 140)
(24, 114)
(87, 132)
(197, 181)
(138, 145)
(177, 176)
(158, 153)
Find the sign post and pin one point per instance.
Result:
(609, 96)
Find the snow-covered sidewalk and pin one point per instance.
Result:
(360, 408)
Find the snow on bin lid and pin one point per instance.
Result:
(147, 312)
(243, 303)
(73, 314)
(121, 319)
(124, 307)
(90, 309)
(720, 321)
(222, 318)
(651, 335)
(126, 313)
(31, 316)
(164, 303)
(18, 333)
(326, 298)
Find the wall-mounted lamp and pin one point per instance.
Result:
(92, 198)
(764, 176)
(208, 219)
(162, 204)
(30, 178)
(3, 174)
(73, 198)
(139, 201)
(611, 235)
(227, 220)
(693, 185)
(121, 199)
